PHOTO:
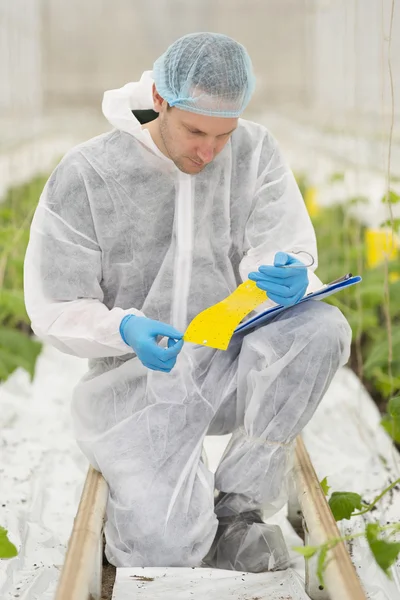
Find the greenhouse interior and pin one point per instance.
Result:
(312, 152)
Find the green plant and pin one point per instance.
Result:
(337, 176)
(373, 311)
(7, 549)
(392, 197)
(17, 348)
(342, 248)
(345, 505)
(391, 420)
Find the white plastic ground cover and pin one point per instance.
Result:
(213, 584)
(41, 474)
(217, 584)
(348, 446)
(214, 447)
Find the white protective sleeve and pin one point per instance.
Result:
(62, 273)
(278, 221)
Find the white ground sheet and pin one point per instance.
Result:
(42, 473)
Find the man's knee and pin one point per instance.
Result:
(166, 526)
(329, 328)
(182, 543)
(319, 327)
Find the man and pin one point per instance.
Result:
(136, 232)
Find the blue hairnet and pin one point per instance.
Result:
(206, 73)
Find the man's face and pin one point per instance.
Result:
(192, 141)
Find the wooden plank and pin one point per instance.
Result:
(341, 580)
(80, 562)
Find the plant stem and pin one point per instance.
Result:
(370, 506)
(330, 544)
(386, 305)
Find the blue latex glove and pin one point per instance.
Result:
(140, 333)
(284, 286)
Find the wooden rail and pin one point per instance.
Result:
(341, 579)
(81, 575)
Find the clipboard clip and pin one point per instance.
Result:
(344, 278)
(326, 285)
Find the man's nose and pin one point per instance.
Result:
(206, 151)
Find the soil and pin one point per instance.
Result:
(109, 572)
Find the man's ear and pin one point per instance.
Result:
(157, 100)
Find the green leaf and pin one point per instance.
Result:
(393, 197)
(378, 355)
(321, 565)
(306, 551)
(389, 223)
(325, 486)
(343, 504)
(302, 183)
(392, 427)
(383, 382)
(7, 549)
(385, 553)
(394, 407)
(337, 176)
(357, 200)
(17, 350)
(12, 307)
(391, 421)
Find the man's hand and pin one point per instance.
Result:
(286, 285)
(140, 333)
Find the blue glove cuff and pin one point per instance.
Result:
(122, 325)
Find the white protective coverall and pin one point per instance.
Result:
(118, 230)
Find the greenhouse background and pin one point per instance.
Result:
(328, 88)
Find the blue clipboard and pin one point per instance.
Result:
(324, 292)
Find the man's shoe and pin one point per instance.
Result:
(243, 542)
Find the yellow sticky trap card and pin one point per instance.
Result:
(310, 199)
(381, 244)
(215, 326)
